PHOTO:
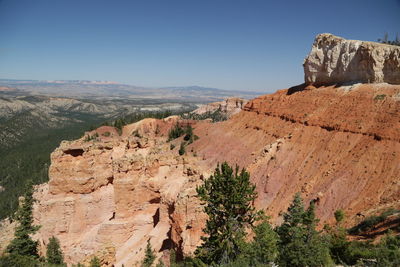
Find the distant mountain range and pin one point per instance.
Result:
(101, 89)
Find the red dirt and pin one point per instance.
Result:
(340, 148)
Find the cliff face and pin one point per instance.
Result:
(229, 107)
(108, 196)
(338, 146)
(334, 60)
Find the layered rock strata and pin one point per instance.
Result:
(339, 147)
(109, 194)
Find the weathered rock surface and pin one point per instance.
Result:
(108, 195)
(334, 60)
(230, 106)
(337, 146)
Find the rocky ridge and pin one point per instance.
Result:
(113, 193)
(335, 60)
(229, 107)
(338, 147)
(109, 193)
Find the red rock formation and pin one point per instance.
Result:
(109, 194)
(229, 107)
(337, 146)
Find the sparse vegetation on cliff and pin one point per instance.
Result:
(95, 262)
(177, 131)
(371, 221)
(215, 116)
(149, 256)
(182, 149)
(385, 40)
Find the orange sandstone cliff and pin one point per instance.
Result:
(337, 145)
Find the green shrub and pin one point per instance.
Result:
(91, 137)
(95, 262)
(106, 134)
(370, 222)
(215, 116)
(182, 149)
(388, 251)
(136, 134)
(380, 97)
(176, 132)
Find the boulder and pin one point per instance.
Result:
(335, 60)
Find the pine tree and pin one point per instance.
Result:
(54, 254)
(22, 244)
(228, 197)
(338, 242)
(264, 247)
(95, 262)
(149, 256)
(388, 251)
(300, 244)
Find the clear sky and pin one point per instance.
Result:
(228, 44)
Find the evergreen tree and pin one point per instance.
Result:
(160, 264)
(22, 244)
(388, 252)
(300, 244)
(228, 196)
(95, 262)
(338, 242)
(264, 248)
(54, 254)
(149, 256)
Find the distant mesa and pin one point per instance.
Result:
(335, 60)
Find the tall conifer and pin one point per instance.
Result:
(22, 244)
(228, 196)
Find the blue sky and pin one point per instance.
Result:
(243, 45)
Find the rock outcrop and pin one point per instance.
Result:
(109, 194)
(334, 60)
(228, 107)
(337, 146)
